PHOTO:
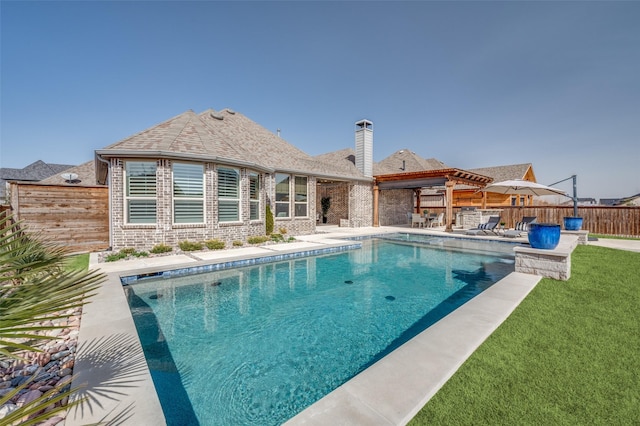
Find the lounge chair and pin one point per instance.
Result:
(485, 228)
(416, 218)
(521, 227)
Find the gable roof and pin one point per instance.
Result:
(407, 161)
(35, 171)
(344, 159)
(226, 137)
(86, 176)
(500, 173)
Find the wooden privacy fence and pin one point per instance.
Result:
(76, 217)
(620, 221)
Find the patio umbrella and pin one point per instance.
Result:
(522, 187)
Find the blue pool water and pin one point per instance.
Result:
(257, 345)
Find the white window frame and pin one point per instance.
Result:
(196, 196)
(254, 196)
(229, 199)
(148, 195)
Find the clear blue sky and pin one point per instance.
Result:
(473, 84)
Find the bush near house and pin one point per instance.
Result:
(187, 245)
(269, 220)
(125, 253)
(214, 244)
(258, 239)
(161, 248)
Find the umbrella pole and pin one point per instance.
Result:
(575, 193)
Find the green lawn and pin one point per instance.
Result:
(79, 261)
(568, 355)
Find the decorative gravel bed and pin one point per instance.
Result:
(51, 369)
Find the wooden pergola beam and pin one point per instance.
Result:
(424, 179)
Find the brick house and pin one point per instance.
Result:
(211, 176)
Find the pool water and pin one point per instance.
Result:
(257, 345)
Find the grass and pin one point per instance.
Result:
(568, 354)
(613, 237)
(80, 262)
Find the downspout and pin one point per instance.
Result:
(108, 182)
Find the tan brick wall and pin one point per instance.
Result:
(165, 231)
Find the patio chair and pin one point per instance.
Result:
(416, 218)
(485, 228)
(437, 221)
(521, 227)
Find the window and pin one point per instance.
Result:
(254, 196)
(188, 193)
(514, 200)
(228, 195)
(300, 196)
(282, 195)
(140, 199)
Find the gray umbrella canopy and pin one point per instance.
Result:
(522, 187)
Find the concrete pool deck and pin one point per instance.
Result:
(111, 366)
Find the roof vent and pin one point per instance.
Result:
(230, 111)
(217, 116)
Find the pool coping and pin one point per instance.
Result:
(111, 368)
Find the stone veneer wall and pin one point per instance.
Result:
(394, 205)
(145, 236)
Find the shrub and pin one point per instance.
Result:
(283, 230)
(277, 237)
(115, 257)
(257, 239)
(161, 248)
(290, 239)
(140, 254)
(128, 250)
(187, 245)
(268, 221)
(237, 243)
(214, 244)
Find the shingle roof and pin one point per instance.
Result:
(345, 159)
(185, 133)
(224, 136)
(86, 176)
(500, 173)
(412, 163)
(34, 172)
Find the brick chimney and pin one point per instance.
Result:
(364, 147)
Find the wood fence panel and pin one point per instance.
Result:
(76, 217)
(618, 221)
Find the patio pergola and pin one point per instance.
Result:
(426, 179)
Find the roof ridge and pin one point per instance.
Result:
(145, 130)
(175, 128)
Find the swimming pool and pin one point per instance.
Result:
(257, 345)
